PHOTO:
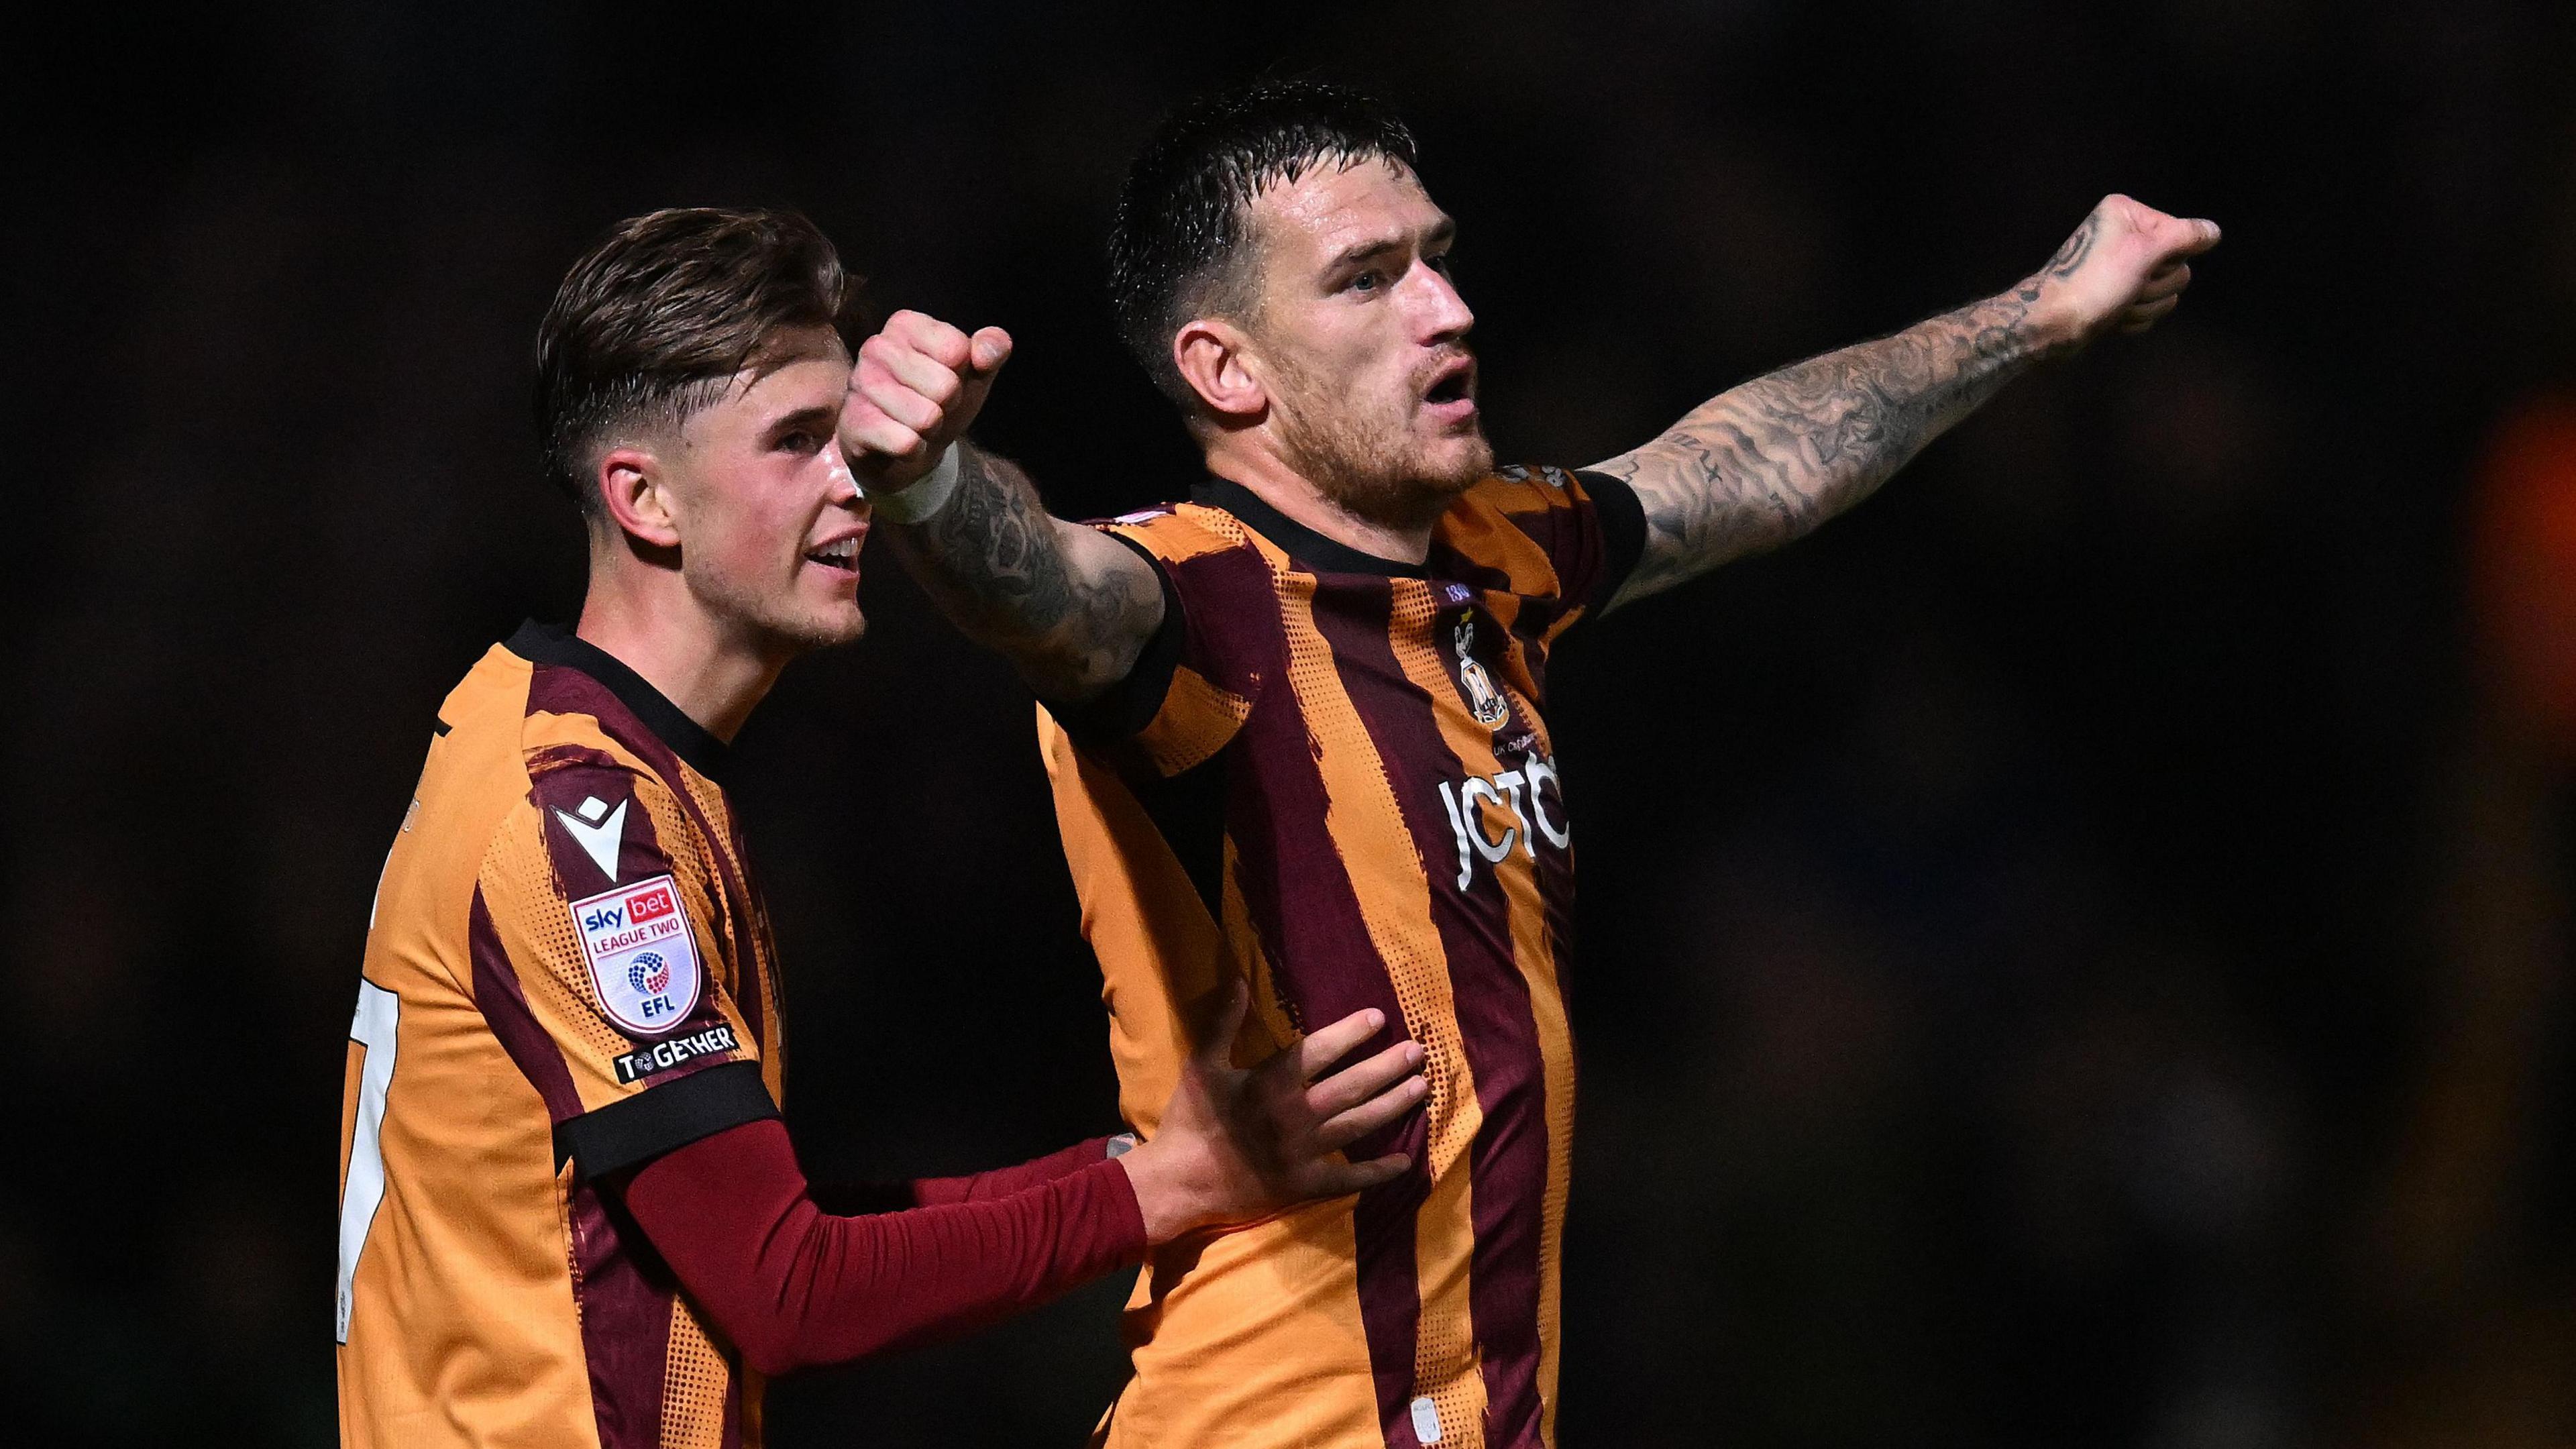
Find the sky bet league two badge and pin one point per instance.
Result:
(643, 959)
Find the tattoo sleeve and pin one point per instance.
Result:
(1763, 463)
(1070, 607)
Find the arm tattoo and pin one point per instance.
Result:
(1768, 461)
(1071, 609)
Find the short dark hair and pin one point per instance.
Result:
(655, 321)
(1173, 247)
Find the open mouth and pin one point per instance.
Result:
(842, 554)
(1455, 384)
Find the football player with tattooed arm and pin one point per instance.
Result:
(570, 1214)
(1295, 723)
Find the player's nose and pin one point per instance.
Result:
(1444, 315)
(840, 486)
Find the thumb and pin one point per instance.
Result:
(988, 350)
(2176, 237)
(1217, 1048)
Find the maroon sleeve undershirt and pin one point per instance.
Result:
(853, 1199)
(793, 1286)
(1003, 1181)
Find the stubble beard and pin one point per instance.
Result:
(775, 624)
(1363, 458)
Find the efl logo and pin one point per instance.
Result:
(642, 956)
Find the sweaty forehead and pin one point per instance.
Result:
(1334, 207)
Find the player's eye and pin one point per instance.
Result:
(799, 440)
(1368, 281)
(1438, 263)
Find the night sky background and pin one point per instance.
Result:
(2074, 952)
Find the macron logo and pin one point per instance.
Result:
(598, 830)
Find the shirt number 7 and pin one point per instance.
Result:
(379, 1012)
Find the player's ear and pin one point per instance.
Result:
(632, 483)
(1213, 359)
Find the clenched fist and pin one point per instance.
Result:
(2124, 269)
(919, 382)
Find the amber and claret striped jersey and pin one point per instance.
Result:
(568, 973)
(1328, 774)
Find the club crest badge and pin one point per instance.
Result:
(643, 960)
(1484, 701)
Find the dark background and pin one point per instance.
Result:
(2073, 953)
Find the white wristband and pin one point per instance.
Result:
(920, 499)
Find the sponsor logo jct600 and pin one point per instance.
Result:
(1493, 815)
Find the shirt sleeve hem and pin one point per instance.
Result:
(1623, 535)
(637, 1129)
(1127, 707)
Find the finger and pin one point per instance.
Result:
(2167, 282)
(2139, 319)
(1217, 1049)
(1341, 1179)
(910, 366)
(1321, 1049)
(1357, 1083)
(2148, 314)
(875, 433)
(884, 391)
(988, 350)
(928, 335)
(1341, 1131)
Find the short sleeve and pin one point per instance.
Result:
(1555, 537)
(618, 962)
(1194, 683)
(1621, 520)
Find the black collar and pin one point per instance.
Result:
(1302, 544)
(547, 644)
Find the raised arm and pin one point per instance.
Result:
(1070, 607)
(1765, 462)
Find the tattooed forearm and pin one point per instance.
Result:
(1767, 461)
(1069, 607)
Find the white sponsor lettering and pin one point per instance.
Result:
(1477, 792)
(1540, 771)
(1479, 805)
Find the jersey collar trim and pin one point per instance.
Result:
(547, 644)
(1302, 544)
